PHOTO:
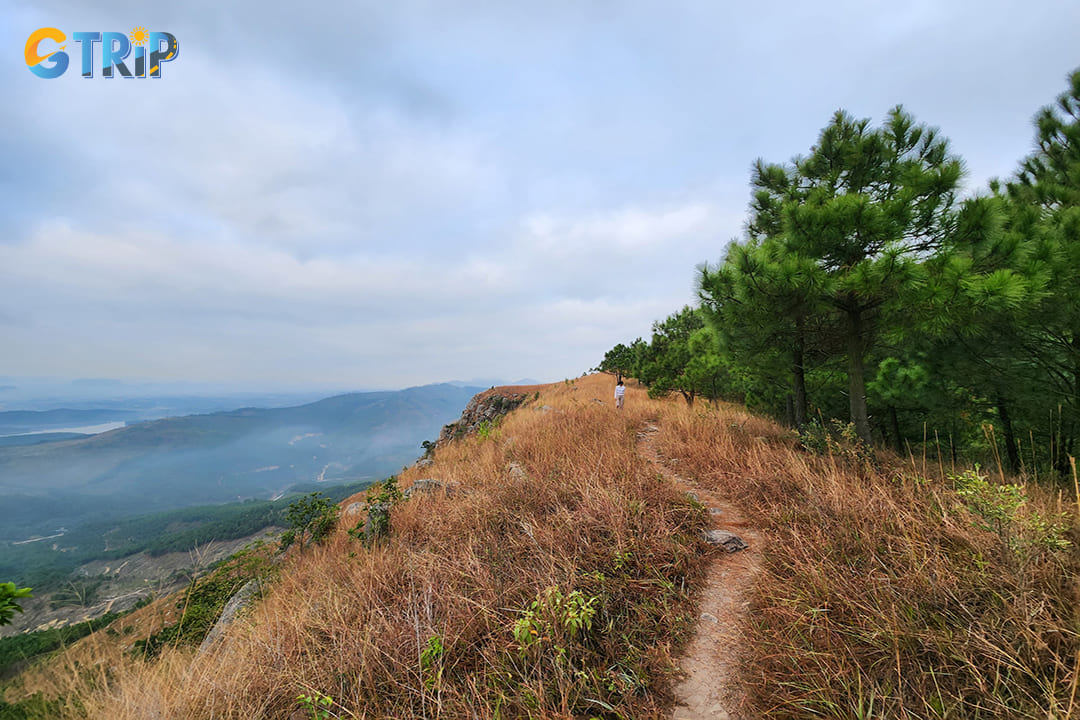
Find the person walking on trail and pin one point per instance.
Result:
(620, 393)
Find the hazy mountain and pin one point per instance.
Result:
(147, 400)
(39, 438)
(218, 457)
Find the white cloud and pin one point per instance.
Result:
(144, 267)
(241, 310)
(622, 231)
(403, 192)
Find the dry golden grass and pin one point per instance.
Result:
(579, 510)
(879, 595)
(87, 664)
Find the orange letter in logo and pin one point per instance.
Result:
(36, 62)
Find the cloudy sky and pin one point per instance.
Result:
(382, 194)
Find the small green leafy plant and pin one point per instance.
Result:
(9, 595)
(555, 617)
(318, 705)
(431, 662)
(995, 505)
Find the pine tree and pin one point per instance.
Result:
(669, 364)
(763, 303)
(1048, 187)
(866, 207)
(623, 359)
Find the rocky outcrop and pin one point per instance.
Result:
(430, 486)
(486, 407)
(238, 602)
(727, 540)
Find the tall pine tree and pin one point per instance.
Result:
(1049, 184)
(866, 206)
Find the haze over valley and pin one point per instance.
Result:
(52, 479)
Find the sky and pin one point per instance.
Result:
(384, 194)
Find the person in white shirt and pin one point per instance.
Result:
(620, 393)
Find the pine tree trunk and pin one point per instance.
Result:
(898, 439)
(857, 377)
(1010, 437)
(1070, 444)
(798, 372)
(789, 411)
(1061, 444)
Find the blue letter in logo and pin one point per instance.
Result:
(159, 55)
(112, 55)
(87, 40)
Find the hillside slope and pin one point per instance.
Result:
(554, 572)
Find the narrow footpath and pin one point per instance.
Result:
(710, 686)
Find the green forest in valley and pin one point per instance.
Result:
(873, 294)
(48, 568)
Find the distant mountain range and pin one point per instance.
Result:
(493, 382)
(60, 480)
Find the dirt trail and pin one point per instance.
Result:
(710, 662)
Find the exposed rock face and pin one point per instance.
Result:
(377, 522)
(430, 486)
(239, 601)
(487, 406)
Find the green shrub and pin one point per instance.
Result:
(378, 504)
(310, 519)
(554, 617)
(428, 447)
(1002, 509)
(836, 439)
